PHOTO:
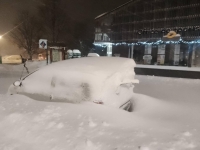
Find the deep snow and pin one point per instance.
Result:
(106, 79)
(165, 117)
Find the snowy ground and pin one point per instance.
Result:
(11, 73)
(165, 117)
(169, 67)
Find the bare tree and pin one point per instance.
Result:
(61, 28)
(54, 18)
(26, 35)
(83, 36)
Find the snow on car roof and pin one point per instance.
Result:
(101, 67)
(69, 51)
(76, 51)
(100, 77)
(108, 64)
(93, 55)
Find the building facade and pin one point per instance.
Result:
(163, 32)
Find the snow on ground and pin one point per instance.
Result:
(31, 65)
(11, 73)
(169, 67)
(165, 117)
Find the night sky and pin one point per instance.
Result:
(77, 9)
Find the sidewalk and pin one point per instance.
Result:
(168, 71)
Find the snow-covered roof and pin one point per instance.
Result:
(76, 51)
(69, 51)
(104, 14)
(101, 15)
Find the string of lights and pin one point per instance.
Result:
(151, 43)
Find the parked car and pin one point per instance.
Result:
(41, 56)
(93, 55)
(102, 80)
(12, 59)
(73, 54)
(76, 53)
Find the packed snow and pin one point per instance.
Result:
(165, 117)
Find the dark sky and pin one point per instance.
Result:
(92, 8)
(77, 9)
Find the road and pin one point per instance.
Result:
(9, 74)
(6, 79)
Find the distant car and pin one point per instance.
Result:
(93, 55)
(12, 59)
(69, 54)
(41, 57)
(76, 53)
(103, 80)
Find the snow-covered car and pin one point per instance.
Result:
(103, 80)
(93, 55)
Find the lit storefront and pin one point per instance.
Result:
(164, 32)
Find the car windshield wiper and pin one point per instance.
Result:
(29, 74)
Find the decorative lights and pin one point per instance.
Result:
(152, 43)
(177, 29)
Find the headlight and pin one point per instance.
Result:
(17, 83)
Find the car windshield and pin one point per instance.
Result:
(23, 78)
(99, 75)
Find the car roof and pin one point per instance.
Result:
(81, 68)
(91, 64)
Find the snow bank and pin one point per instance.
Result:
(154, 125)
(165, 117)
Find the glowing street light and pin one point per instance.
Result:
(10, 30)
